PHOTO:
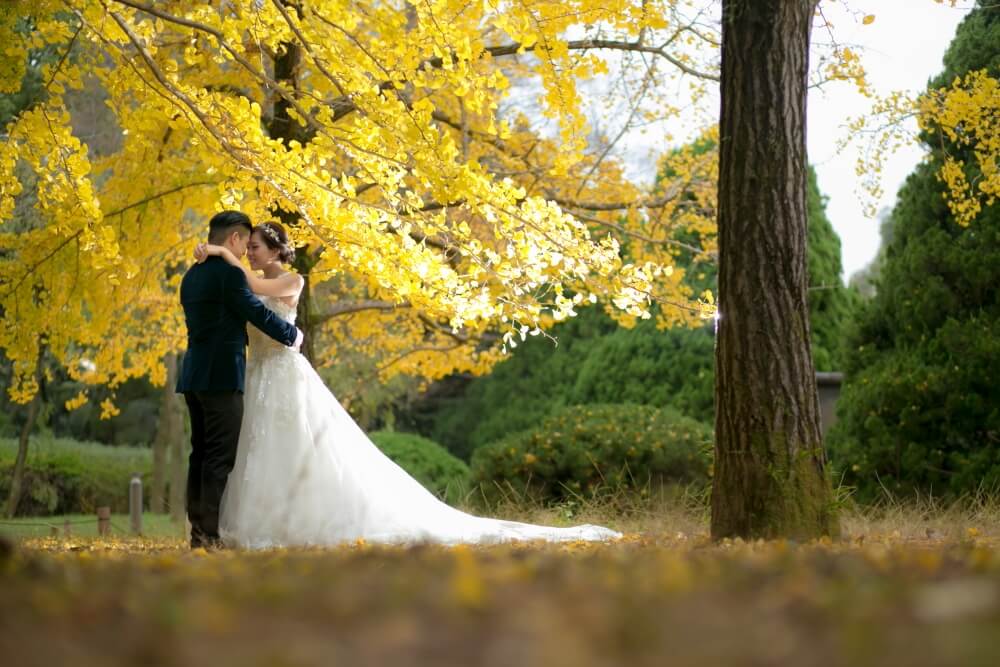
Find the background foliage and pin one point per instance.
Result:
(65, 476)
(428, 462)
(920, 411)
(589, 450)
(595, 361)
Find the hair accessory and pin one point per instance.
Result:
(272, 232)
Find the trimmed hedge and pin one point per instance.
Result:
(65, 476)
(589, 449)
(428, 462)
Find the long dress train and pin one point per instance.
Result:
(306, 474)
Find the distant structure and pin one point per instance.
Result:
(828, 385)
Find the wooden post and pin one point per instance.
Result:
(135, 503)
(66, 528)
(103, 521)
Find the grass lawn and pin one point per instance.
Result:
(85, 526)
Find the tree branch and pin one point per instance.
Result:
(76, 235)
(349, 307)
(644, 238)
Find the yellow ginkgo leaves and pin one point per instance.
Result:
(431, 209)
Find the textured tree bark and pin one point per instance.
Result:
(305, 317)
(770, 478)
(281, 125)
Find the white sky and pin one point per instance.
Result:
(903, 48)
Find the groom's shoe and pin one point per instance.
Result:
(199, 540)
(207, 543)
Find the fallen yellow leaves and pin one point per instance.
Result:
(887, 599)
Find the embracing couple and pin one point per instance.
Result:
(275, 459)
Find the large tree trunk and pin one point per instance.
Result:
(167, 430)
(770, 478)
(281, 125)
(17, 477)
(305, 312)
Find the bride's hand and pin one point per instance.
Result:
(203, 251)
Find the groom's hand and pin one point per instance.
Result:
(299, 336)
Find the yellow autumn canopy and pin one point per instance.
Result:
(432, 208)
(434, 160)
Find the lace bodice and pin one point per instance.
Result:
(261, 343)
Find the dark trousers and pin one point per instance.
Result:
(215, 432)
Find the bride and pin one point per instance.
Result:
(305, 472)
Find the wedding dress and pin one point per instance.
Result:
(306, 474)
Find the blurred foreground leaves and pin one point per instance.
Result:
(646, 600)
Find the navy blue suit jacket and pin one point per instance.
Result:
(217, 305)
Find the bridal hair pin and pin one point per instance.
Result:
(271, 232)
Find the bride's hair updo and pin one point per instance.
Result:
(274, 237)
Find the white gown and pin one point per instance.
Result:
(306, 474)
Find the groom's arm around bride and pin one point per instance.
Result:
(217, 304)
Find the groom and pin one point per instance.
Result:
(217, 305)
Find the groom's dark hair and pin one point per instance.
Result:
(225, 223)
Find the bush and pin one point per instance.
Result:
(519, 392)
(68, 477)
(591, 449)
(647, 366)
(65, 476)
(924, 418)
(428, 462)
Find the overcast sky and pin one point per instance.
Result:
(903, 49)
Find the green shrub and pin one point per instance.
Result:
(589, 449)
(65, 476)
(647, 366)
(428, 462)
(923, 418)
(919, 412)
(68, 477)
(519, 392)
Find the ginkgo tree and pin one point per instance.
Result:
(443, 224)
(966, 117)
(442, 220)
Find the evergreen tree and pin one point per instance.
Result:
(920, 409)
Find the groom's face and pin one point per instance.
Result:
(239, 244)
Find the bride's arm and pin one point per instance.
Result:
(287, 284)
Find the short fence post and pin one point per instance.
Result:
(135, 503)
(66, 529)
(103, 521)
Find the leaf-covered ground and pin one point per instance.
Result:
(651, 599)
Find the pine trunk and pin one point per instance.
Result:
(770, 478)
